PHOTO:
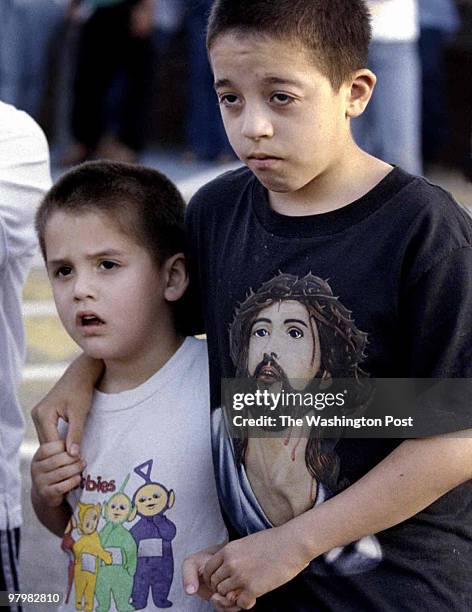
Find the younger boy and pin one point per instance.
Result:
(113, 241)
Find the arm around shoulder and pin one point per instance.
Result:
(70, 399)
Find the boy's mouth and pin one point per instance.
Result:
(89, 320)
(262, 161)
(261, 157)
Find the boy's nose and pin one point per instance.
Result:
(83, 289)
(257, 124)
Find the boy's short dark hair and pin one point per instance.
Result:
(337, 32)
(143, 203)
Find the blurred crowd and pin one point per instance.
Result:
(107, 78)
(97, 75)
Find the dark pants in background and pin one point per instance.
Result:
(9, 548)
(108, 54)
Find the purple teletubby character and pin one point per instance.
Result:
(153, 534)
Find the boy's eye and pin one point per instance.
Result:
(282, 99)
(108, 265)
(228, 99)
(63, 271)
(294, 332)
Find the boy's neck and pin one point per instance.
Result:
(126, 374)
(355, 175)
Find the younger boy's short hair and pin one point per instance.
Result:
(143, 203)
(336, 32)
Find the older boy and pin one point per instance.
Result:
(289, 80)
(290, 77)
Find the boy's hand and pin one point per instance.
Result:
(194, 584)
(54, 473)
(192, 573)
(69, 399)
(225, 604)
(245, 569)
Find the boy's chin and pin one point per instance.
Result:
(278, 184)
(94, 352)
(275, 185)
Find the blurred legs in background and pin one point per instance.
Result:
(26, 31)
(390, 127)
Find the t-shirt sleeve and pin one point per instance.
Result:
(438, 315)
(24, 178)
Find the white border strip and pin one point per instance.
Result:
(28, 448)
(37, 372)
(39, 308)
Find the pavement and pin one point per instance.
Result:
(50, 350)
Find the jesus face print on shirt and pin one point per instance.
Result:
(300, 327)
(284, 345)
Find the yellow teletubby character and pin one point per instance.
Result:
(87, 552)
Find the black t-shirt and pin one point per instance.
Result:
(387, 280)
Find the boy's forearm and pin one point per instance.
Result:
(55, 519)
(411, 478)
(69, 399)
(83, 372)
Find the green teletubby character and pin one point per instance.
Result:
(117, 579)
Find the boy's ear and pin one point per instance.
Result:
(175, 271)
(359, 91)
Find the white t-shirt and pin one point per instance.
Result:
(24, 178)
(156, 436)
(394, 20)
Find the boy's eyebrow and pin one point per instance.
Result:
(98, 254)
(268, 80)
(55, 262)
(275, 80)
(222, 83)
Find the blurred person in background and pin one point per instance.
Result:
(439, 20)
(460, 55)
(204, 132)
(24, 178)
(390, 128)
(27, 28)
(168, 18)
(115, 48)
